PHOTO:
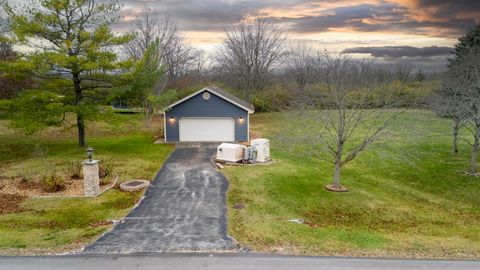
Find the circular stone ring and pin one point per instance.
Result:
(135, 184)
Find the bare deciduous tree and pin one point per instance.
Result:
(198, 67)
(346, 122)
(173, 54)
(464, 77)
(449, 101)
(3, 22)
(177, 60)
(404, 72)
(249, 52)
(454, 97)
(301, 64)
(149, 26)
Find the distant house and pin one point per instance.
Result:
(210, 114)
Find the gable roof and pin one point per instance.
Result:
(220, 93)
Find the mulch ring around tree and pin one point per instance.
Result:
(334, 188)
(10, 203)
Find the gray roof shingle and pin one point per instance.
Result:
(220, 92)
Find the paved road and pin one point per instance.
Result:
(225, 262)
(184, 209)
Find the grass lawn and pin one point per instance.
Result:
(45, 225)
(408, 197)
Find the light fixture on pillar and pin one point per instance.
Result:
(89, 153)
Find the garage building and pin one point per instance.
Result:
(208, 115)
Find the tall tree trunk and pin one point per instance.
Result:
(302, 81)
(336, 174)
(148, 113)
(455, 128)
(338, 163)
(81, 129)
(475, 148)
(248, 92)
(80, 119)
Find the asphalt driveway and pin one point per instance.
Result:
(184, 209)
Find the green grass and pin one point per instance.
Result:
(126, 142)
(59, 224)
(408, 197)
(51, 223)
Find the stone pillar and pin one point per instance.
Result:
(91, 178)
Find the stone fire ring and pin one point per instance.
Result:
(135, 184)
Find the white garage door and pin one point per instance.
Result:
(207, 129)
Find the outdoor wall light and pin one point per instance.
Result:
(89, 153)
(240, 119)
(172, 119)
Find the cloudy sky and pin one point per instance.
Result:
(392, 31)
(421, 31)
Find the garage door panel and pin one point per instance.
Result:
(207, 129)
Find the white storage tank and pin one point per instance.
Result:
(263, 149)
(230, 152)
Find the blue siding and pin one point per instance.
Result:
(213, 107)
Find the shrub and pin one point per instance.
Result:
(105, 180)
(271, 99)
(106, 167)
(74, 169)
(52, 182)
(25, 174)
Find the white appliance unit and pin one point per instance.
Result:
(230, 152)
(263, 149)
